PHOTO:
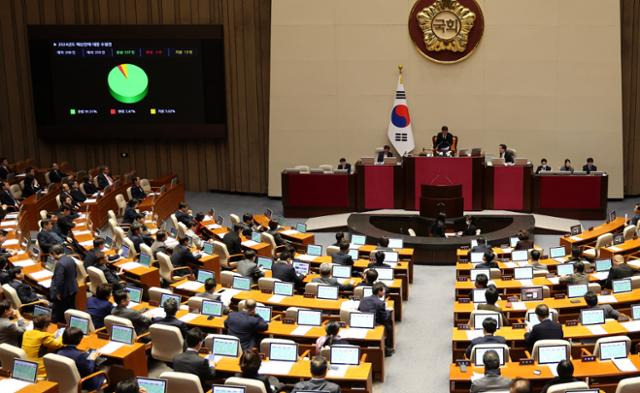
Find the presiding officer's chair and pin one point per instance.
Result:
(454, 143)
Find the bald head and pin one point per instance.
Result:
(250, 306)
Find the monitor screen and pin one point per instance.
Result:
(513, 241)
(340, 271)
(520, 255)
(576, 230)
(592, 317)
(354, 254)
(367, 291)
(481, 351)
(152, 385)
(301, 268)
(390, 256)
(577, 290)
(328, 292)
(24, 370)
(384, 274)
(618, 239)
(39, 310)
(557, 252)
(145, 259)
(124, 251)
(166, 296)
(566, 269)
(474, 243)
(362, 320)
(635, 311)
(241, 283)
(552, 354)
(283, 352)
(523, 273)
(612, 215)
(478, 318)
(203, 275)
(613, 350)
(228, 389)
(358, 240)
(211, 307)
(314, 250)
(265, 263)
(268, 213)
(264, 313)
(225, 347)
(476, 257)
(603, 265)
(395, 243)
(283, 288)
(533, 319)
(255, 236)
(135, 294)
(207, 248)
(301, 227)
(174, 232)
(122, 334)
(80, 323)
(531, 294)
(478, 295)
(108, 241)
(309, 317)
(621, 286)
(475, 272)
(344, 354)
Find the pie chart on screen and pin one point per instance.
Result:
(128, 83)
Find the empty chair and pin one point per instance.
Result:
(629, 385)
(266, 343)
(132, 248)
(267, 283)
(346, 308)
(594, 287)
(81, 273)
(63, 370)
(122, 204)
(604, 340)
(311, 288)
(250, 385)
(16, 191)
(269, 239)
(145, 249)
(478, 347)
(628, 232)
(181, 382)
(332, 250)
(58, 200)
(565, 387)
(7, 353)
(195, 303)
(166, 342)
(81, 314)
(220, 249)
(174, 221)
(43, 214)
(96, 277)
(146, 185)
(604, 240)
(181, 230)
(129, 197)
(118, 237)
(234, 219)
(548, 343)
(167, 271)
(291, 313)
(226, 278)
(155, 294)
(635, 282)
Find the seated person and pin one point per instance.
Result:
(10, 331)
(609, 312)
(137, 238)
(488, 261)
(47, 238)
(171, 307)
(578, 276)
(182, 255)
(340, 237)
(89, 187)
(283, 269)
(36, 342)
(342, 257)
(481, 282)
(344, 165)
(250, 363)
(130, 212)
(520, 385)
(191, 233)
(369, 277)
(589, 166)
(209, 290)
(232, 241)
(444, 140)
(619, 270)
(248, 223)
(201, 229)
(383, 244)
(524, 243)
(386, 152)
(535, 262)
(55, 174)
(566, 167)
(636, 214)
(439, 226)
(91, 256)
(547, 329)
(492, 380)
(273, 231)
(543, 167)
(377, 260)
(489, 327)
(331, 337)
(246, 325)
(506, 154)
(99, 306)
(110, 275)
(492, 296)
(326, 279)
(137, 192)
(159, 244)
(85, 362)
(190, 362)
(565, 375)
(576, 255)
(183, 214)
(139, 321)
(25, 292)
(317, 383)
(248, 267)
(470, 227)
(129, 386)
(482, 246)
(6, 197)
(77, 194)
(376, 304)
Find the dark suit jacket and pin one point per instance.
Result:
(437, 230)
(617, 272)
(63, 225)
(233, 243)
(89, 188)
(85, 366)
(381, 156)
(541, 168)
(138, 193)
(589, 168)
(98, 309)
(508, 157)
(333, 282)
(442, 142)
(246, 327)
(342, 258)
(346, 166)
(64, 281)
(319, 385)
(130, 215)
(56, 176)
(90, 257)
(190, 362)
(545, 330)
(172, 321)
(78, 196)
(140, 322)
(375, 305)
(484, 340)
(7, 199)
(470, 230)
(29, 189)
(524, 245)
(4, 172)
(277, 237)
(102, 181)
(25, 292)
(46, 240)
(286, 272)
(184, 218)
(182, 256)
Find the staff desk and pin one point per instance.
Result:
(628, 247)
(463, 269)
(583, 197)
(605, 372)
(590, 236)
(289, 233)
(511, 287)
(356, 377)
(315, 194)
(147, 276)
(38, 387)
(132, 356)
(404, 254)
(508, 187)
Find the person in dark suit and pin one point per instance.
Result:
(636, 214)
(376, 304)
(232, 240)
(470, 227)
(137, 192)
(64, 284)
(283, 269)
(64, 223)
(190, 362)
(342, 257)
(317, 383)
(109, 274)
(183, 214)
(344, 165)
(130, 212)
(489, 327)
(589, 166)
(543, 167)
(137, 238)
(182, 255)
(104, 178)
(488, 261)
(386, 152)
(139, 321)
(11, 330)
(609, 312)
(30, 187)
(129, 386)
(326, 279)
(99, 306)
(545, 330)
(250, 362)
(619, 270)
(506, 154)
(482, 246)
(273, 231)
(55, 174)
(4, 168)
(578, 277)
(524, 242)
(76, 193)
(85, 362)
(91, 256)
(383, 245)
(444, 140)
(492, 296)
(565, 375)
(246, 325)
(492, 380)
(377, 260)
(25, 292)
(248, 267)
(89, 187)
(566, 167)
(47, 238)
(339, 239)
(170, 307)
(438, 227)
(6, 197)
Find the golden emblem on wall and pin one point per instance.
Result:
(446, 31)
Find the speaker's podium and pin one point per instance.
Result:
(447, 199)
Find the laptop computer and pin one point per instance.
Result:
(592, 317)
(228, 389)
(364, 320)
(122, 334)
(314, 250)
(481, 351)
(613, 350)
(328, 292)
(144, 259)
(207, 248)
(309, 317)
(302, 228)
(241, 283)
(577, 290)
(283, 288)
(80, 323)
(531, 294)
(225, 347)
(135, 294)
(283, 352)
(166, 296)
(264, 312)
(211, 308)
(203, 275)
(24, 370)
(153, 385)
(344, 355)
(265, 263)
(341, 271)
(557, 252)
(552, 354)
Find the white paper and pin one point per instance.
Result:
(10, 223)
(10, 385)
(228, 294)
(300, 330)
(526, 283)
(153, 231)
(510, 265)
(476, 376)
(576, 238)
(354, 332)
(86, 243)
(561, 259)
(275, 299)
(171, 243)
(10, 242)
(554, 280)
(80, 233)
(213, 226)
(111, 347)
(82, 215)
(615, 248)
(41, 274)
(11, 216)
(337, 371)
(471, 334)
(189, 317)
(518, 306)
(635, 263)
(631, 326)
(289, 232)
(249, 243)
(607, 299)
(90, 200)
(190, 285)
(305, 257)
(625, 365)
(45, 283)
(275, 368)
(24, 262)
(600, 275)
(155, 313)
(553, 367)
(131, 265)
(507, 250)
(597, 330)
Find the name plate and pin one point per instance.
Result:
(519, 326)
(464, 300)
(462, 279)
(507, 278)
(463, 362)
(309, 295)
(526, 362)
(586, 359)
(571, 322)
(288, 321)
(266, 291)
(558, 296)
(463, 326)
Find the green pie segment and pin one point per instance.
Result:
(128, 83)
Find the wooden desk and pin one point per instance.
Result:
(147, 277)
(628, 247)
(590, 236)
(39, 387)
(132, 356)
(302, 238)
(404, 254)
(167, 203)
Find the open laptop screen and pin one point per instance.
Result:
(24, 370)
(153, 385)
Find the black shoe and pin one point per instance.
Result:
(389, 352)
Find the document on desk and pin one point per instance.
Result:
(471, 334)
(24, 263)
(615, 249)
(189, 317)
(80, 233)
(354, 333)
(607, 299)
(600, 275)
(90, 200)
(597, 330)
(249, 243)
(337, 371)
(553, 367)
(625, 365)
(289, 232)
(306, 258)
(227, 295)
(526, 283)
(275, 367)
(554, 280)
(111, 347)
(155, 313)
(10, 242)
(190, 285)
(86, 243)
(631, 326)
(300, 330)
(575, 238)
(9, 223)
(45, 283)
(510, 265)
(476, 376)
(41, 274)
(635, 263)
(10, 385)
(521, 306)
(561, 259)
(276, 299)
(213, 226)
(131, 265)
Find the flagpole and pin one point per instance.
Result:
(400, 66)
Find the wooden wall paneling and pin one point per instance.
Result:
(6, 137)
(630, 26)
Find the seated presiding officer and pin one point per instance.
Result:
(470, 227)
(589, 166)
(506, 154)
(566, 167)
(444, 140)
(386, 152)
(246, 325)
(344, 165)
